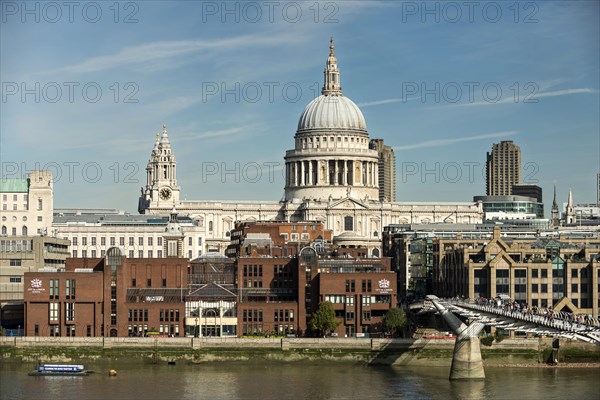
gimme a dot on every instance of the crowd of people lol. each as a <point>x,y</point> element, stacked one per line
<point>545,314</point>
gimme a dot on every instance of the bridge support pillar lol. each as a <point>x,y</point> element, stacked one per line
<point>466,360</point>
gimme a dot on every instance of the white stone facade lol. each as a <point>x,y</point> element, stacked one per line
<point>93,232</point>
<point>27,205</point>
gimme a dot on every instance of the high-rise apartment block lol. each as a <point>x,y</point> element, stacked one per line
<point>503,168</point>
<point>387,170</point>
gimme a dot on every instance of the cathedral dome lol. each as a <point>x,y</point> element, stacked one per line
<point>332,112</point>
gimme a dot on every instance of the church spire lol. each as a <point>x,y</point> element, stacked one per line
<point>331,84</point>
<point>570,201</point>
<point>554,205</point>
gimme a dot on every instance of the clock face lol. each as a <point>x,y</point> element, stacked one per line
<point>165,193</point>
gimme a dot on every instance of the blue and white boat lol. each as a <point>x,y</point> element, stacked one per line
<point>59,370</point>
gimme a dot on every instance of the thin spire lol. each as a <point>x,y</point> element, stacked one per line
<point>570,202</point>
<point>554,205</point>
<point>331,84</point>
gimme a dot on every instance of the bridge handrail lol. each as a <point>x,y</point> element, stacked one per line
<point>540,315</point>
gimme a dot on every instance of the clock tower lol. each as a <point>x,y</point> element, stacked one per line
<point>161,192</point>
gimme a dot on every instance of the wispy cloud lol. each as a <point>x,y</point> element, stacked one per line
<point>527,97</point>
<point>162,50</point>
<point>214,133</point>
<point>445,142</point>
<point>387,101</point>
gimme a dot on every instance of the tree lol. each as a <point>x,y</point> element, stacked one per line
<point>323,320</point>
<point>394,320</point>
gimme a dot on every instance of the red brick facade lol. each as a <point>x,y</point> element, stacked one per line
<point>112,296</point>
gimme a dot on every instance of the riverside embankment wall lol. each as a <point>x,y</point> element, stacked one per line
<point>371,351</point>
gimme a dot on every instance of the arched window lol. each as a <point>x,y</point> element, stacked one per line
<point>4,230</point>
<point>210,226</point>
<point>375,253</point>
<point>24,230</point>
<point>348,223</point>
<point>40,204</point>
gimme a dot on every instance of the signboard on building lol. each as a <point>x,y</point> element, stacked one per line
<point>384,286</point>
<point>36,286</point>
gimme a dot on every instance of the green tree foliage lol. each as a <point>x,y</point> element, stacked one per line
<point>323,320</point>
<point>394,321</point>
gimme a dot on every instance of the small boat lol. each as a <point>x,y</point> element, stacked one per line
<point>59,370</point>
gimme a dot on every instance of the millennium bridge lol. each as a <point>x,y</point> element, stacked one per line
<point>466,360</point>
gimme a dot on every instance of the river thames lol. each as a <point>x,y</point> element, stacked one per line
<point>274,380</point>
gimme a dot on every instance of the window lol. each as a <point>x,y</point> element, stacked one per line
<point>149,253</point>
<point>53,311</point>
<point>172,248</point>
<point>141,241</point>
<point>36,330</point>
<point>534,273</point>
<point>149,241</point>
<point>121,241</point>
<point>112,241</point>
<point>40,204</point>
<point>190,241</point>
<point>93,241</point>
<point>15,279</point>
<point>574,273</point>
<point>149,282</point>
<point>84,241</point>
<point>133,282</point>
<point>544,273</point>
<point>159,253</point>
<point>574,288</point>
<point>348,223</point>
<point>544,287</point>
<point>84,253</point>
<point>15,263</point>
<point>159,241</point>
<point>39,218</point>
<point>70,311</point>
<point>131,241</point>
<point>130,253</point>
<point>93,253</point>
<point>140,253</point>
<point>102,241</point>
<point>350,285</point>
<point>74,241</point>
<point>164,282</point>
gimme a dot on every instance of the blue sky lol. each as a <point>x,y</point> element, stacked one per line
<point>438,81</point>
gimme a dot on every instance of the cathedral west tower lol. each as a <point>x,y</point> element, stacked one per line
<point>162,190</point>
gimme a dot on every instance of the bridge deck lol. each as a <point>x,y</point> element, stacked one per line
<point>522,319</point>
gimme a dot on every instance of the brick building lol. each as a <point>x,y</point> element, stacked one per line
<point>289,237</point>
<point>280,285</point>
<point>111,296</point>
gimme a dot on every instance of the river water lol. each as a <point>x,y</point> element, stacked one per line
<point>137,380</point>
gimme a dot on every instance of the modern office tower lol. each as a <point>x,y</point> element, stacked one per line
<point>387,170</point>
<point>528,190</point>
<point>503,168</point>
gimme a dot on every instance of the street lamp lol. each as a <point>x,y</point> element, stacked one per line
<point>196,330</point>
